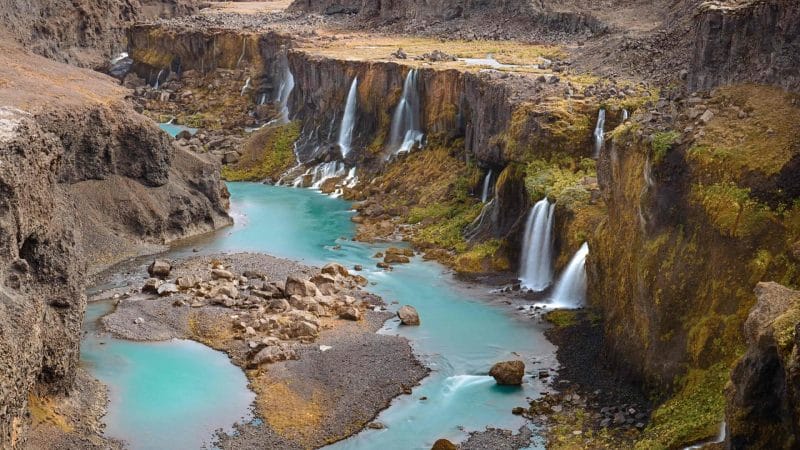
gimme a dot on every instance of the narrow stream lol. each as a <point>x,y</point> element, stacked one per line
<point>463,332</point>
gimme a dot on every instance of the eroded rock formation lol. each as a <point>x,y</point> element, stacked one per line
<point>85,182</point>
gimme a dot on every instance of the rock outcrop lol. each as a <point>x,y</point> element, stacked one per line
<point>747,42</point>
<point>764,394</point>
<point>84,182</point>
<point>82,32</point>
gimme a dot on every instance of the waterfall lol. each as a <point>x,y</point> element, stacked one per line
<point>285,88</point>
<point>245,87</point>
<point>487,186</point>
<point>352,179</point>
<point>599,132</point>
<point>625,115</point>
<point>158,77</point>
<point>348,119</point>
<point>119,58</point>
<point>570,290</point>
<point>263,99</point>
<point>244,48</point>
<point>405,131</point>
<point>536,267</point>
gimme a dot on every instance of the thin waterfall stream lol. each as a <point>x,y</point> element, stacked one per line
<point>348,119</point>
<point>536,266</point>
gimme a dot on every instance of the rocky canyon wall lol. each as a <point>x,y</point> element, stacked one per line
<point>85,182</point>
<point>83,33</point>
<point>749,42</point>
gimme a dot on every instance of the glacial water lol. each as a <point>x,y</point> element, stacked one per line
<point>464,330</point>
<point>173,129</point>
<point>171,394</point>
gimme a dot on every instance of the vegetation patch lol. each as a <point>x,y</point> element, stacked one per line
<point>483,257</point>
<point>268,154</point>
<point>693,414</point>
<point>562,317</point>
<point>662,142</point>
<point>731,210</point>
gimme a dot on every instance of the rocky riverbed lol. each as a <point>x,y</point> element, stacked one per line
<point>305,337</point>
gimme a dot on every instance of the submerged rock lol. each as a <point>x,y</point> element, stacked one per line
<point>408,315</point>
<point>508,372</point>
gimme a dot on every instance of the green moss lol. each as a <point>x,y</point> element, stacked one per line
<point>692,414</point>
<point>662,142</point>
<point>561,181</point>
<point>269,154</point>
<point>562,317</point>
<point>483,257</point>
<point>442,225</point>
<point>731,210</point>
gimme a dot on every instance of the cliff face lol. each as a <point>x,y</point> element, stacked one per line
<point>689,233</point>
<point>755,41</point>
<point>85,182</point>
<point>83,33</point>
<point>763,399</point>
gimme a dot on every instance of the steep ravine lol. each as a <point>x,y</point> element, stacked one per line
<point>687,219</point>
<point>85,182</point>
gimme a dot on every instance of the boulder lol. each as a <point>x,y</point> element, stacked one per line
<point>350,313</point>
<point>408,315</point>
<point>396,259</point>
<point>443,444</point>
<point>223,274</point>
<point>151,285</point>
<point>298,286</point>
<point>279,305</point>
<point>159,268</point>
<point>188,282</point>
<point>229,290</point>
<point>325,283</point>
<point>223,300</point>
<point>167,289</point>
<point>508,372</point>
<point>335,269</point>
<point>304,329</point>
<point>400,251</point>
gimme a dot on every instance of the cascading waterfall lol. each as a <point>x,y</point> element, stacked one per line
<point>263,99</point>
<point>405,131</point>
<point>348,119</point>
<point>599,132</point>
<point>158,78</point>
<point>537,252</point>
<point>245,87</point>
<point>285,88</point>
<point>570,291</point>
<point>487,187</point>
<point>625,115</point>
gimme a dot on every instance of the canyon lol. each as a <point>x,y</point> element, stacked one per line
<point>625,171</point>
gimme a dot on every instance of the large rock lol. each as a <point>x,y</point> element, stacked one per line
<point>443,444</point>
<point>335,269</point>
<point>159,268</point>
<point>763,405</point>
<point>508,372</point>
<point>300,287</point>
<point>408,315</point>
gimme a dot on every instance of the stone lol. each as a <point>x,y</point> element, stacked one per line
<point>138,321</point>
<point>188,282</point>
<point>358,267</point>
<point>400,251</point>
<point>408,315</point>
<point>279,305</point>
<point>231,157</point>
<point>619,418</point>
<point>298,286</point>
<point>396,259</point>
<point>167,289</point>
<point>151,285</point>
<point>376,426</point>
<point>304,329</point>
<point>335,269</point>
<point>443,444</point>
<point>517,411</point>
<point>272,353</point>
<point>159,268</point>
<point>325,283</point>
<point>508,372</point>
<point>706,116</point>
<point>223,274</point>
<point>228,290</point>
<point>350,313</point>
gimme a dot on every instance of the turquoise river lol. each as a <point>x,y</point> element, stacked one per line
<point>175,394</point>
